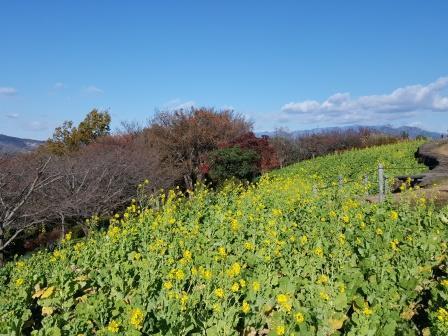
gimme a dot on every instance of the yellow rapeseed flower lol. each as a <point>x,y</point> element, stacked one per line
<point>245,307</point>
<point>183,300</point>
<point>179,274</point>
<point>393,215</point>
<point>303,240</point>
<point>324,296</point>
<point>234,270</point>
<point>113,326</point>
<point>277,212</point>
<point>323,279</point>
<point>299,318</point>
<point>136,319</point>
<point>187,255</point>
<point>249,246</point>
<point>256,286</point>
<point>219,292</point>
<point>20,264</point>
<point>442,314</point>
<point>68,237</point>
<point>393,245</point>
<point>222,251</point>
<point>168,285</point>
<point>205,273</point>
<point>235,287</point>
<point>20,282</point>
<point>283,301</point>
<point>234,225</point>
<point>367,311</point>
<point>280,330</point>
<point>319,251</point>
<point>113,232</point>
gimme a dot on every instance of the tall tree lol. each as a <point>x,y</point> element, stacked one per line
<point>68,138</point>
<point>18,190</point>
<point>183,137</point>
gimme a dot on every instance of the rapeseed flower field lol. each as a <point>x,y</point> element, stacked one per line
<point>274,257</point>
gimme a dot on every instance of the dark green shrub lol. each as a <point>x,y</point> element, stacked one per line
<point>233,162</point>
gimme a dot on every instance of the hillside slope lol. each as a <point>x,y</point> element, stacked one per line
<point>273,258</point>
<point>9,144</point>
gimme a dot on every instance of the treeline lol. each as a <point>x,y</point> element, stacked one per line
<point>85,172</point>
<point>291,148</point>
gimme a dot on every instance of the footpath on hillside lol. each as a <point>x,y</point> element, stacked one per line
<point>434,184</point>
<point>434,155</point>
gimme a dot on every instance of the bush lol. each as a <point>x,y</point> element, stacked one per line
<point>233,162</point>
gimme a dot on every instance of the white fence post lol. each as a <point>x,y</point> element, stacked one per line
<point>380,182</point>
<point>366,184</point>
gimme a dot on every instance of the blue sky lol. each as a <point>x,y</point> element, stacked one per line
<point>292,64</point>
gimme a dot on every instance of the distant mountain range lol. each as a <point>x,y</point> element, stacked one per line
<point>386,129</point>
<point>9,144</point>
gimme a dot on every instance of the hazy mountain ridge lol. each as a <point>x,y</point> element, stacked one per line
<point>9,144</point>
<point>387,129</point>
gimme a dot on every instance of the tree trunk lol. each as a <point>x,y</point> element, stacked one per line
<point>188,182</point>
<point>63,225</point>
<point>2,238</point>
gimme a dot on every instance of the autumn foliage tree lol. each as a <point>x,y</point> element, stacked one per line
<point>267,155</point>
<point>184,137</point>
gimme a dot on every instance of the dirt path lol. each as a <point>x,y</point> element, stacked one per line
<point>442,150</point>
<point>434,154</point>
<point>434,185</point>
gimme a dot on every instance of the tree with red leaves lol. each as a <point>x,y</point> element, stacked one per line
<point>268,159</point>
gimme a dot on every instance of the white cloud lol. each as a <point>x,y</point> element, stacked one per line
<point>177,104</point>
<point>12,115</point>
<point>59,86</point>
<point>92,89</point>
<point>401,103</point>
<point>7,91</point>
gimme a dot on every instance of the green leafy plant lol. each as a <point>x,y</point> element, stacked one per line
<point>233,162</point>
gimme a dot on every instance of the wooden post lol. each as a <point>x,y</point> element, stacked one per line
<point>340,181</point>
<point>314,190</point>
<point>380,183</point>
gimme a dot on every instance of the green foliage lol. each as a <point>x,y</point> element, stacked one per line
<point>68,138</point>
<point>233,162</point>
<point>270,257</point>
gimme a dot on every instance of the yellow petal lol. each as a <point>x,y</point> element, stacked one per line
<point>38,293</point>
<point>47,311</point>
<point>47,292</point>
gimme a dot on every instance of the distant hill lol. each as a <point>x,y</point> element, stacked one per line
<point>10,145</point>
<point>387,129</point>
